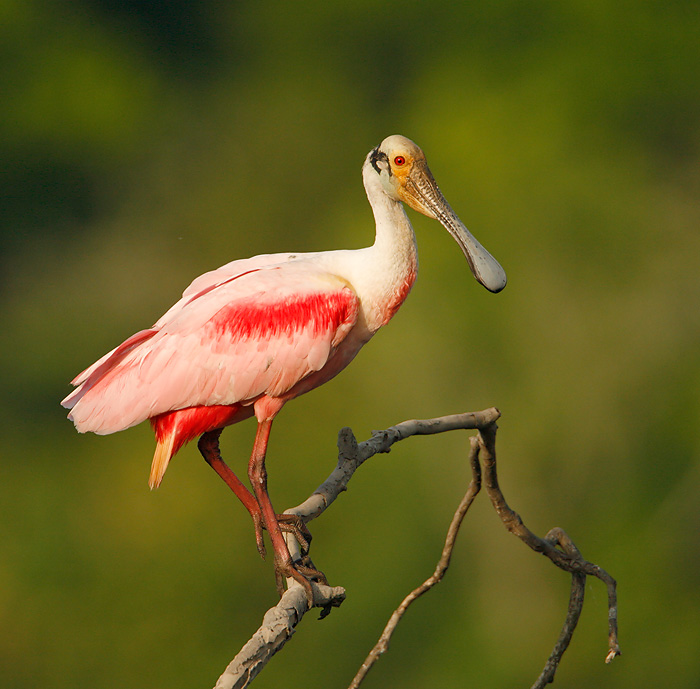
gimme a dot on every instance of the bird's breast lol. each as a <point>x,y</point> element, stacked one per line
<point>397,296</point>
<point>382,294</point>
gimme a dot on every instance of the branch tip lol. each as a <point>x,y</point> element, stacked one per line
<point>612,654</point>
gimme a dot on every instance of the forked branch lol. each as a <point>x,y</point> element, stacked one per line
<point>280,621</point>
<point>560,549</point>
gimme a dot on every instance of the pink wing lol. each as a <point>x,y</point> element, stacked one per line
<point>206,281</point>
<point>247,332</point>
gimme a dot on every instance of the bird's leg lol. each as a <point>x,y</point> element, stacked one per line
<point>209,447</point>
<point>284,567</point>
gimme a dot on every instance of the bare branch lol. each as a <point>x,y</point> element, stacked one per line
<point>566,555</point>
<point>277,627</point>
<point>280,621</point>
<point>351,455</point>
<point>383,644</point>
<point>567,558</point>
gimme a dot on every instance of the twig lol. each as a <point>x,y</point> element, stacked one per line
<point>383,644</point>
<point>578,588</point>
<point>567,557</point>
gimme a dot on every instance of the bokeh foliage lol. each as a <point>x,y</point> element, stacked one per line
<point>144,143</point>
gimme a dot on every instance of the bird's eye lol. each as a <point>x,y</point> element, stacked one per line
<point>399,161</point>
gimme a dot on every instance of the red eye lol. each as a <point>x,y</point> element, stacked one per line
<point>399,161</point>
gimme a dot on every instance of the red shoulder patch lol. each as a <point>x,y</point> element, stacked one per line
<point>317,312</point>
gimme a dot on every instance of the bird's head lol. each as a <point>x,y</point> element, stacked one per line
<point>405,176</point>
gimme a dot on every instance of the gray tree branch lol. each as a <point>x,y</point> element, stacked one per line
<point>280,621</point>
<point>277,627</point>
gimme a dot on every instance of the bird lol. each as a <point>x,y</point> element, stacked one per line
<point>252,335</point>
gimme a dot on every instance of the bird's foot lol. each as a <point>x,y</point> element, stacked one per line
<point>288,523</point>
<point>295,525</point>
<point>308,570</point>
<point>304,573</point>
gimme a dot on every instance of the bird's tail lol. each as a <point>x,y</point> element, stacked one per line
<point>175,428</point>
<point>165,449</point>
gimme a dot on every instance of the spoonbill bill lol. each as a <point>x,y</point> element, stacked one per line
<point>246,338</point>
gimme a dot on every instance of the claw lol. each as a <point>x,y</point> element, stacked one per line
<point>288,523</point>
<point>291,523</point>
<point>304,573</point>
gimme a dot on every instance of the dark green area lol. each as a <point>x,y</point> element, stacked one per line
<point>143,143</point>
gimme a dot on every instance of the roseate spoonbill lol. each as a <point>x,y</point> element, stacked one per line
<point>252,335</point>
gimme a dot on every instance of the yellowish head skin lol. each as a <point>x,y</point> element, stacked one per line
<point>410,178</point>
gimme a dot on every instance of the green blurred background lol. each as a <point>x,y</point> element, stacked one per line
<point>144,143</point>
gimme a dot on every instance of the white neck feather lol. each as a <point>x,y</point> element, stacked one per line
<point>391,263</point>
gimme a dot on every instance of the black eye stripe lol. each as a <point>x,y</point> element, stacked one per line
<point>376,156</point>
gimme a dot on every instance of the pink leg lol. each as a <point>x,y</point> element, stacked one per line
<point>209,447</point>
<point>284,567</point>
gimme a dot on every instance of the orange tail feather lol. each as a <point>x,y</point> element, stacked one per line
<point>165,449</point>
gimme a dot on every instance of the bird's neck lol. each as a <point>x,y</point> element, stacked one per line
<point>394,231</point>
<point>392,259</point>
